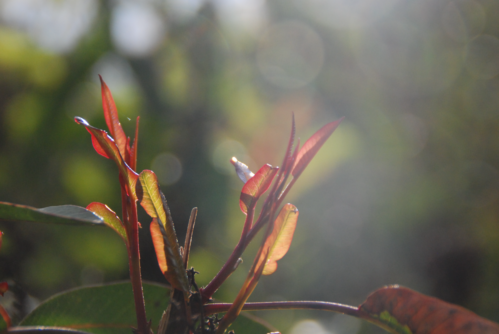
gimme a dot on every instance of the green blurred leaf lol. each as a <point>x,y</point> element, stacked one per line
<point>107,309</point>
<point>62,214</point>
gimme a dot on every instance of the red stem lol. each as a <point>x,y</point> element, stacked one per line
<point>134,262</point>
<point>210,309</point>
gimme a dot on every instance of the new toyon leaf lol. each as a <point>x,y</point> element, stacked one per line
<point>312,146</point>
<point>281,237</point>
<point>256,186</point>
<point>110,218</point>
<point>152,200</point>
<point>112,120</point>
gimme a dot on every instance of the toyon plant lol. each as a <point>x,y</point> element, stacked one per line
<point>183,307</point>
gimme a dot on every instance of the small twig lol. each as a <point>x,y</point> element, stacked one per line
<point>188,236</point>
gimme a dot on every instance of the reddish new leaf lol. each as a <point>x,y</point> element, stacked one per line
<point>404,311</point>
<point>256,187</point>
<point>133,150</point>
<point>159,245</point>
<point>281,237</point>
<point>3,287</point>
<point>110,218</point>
<point>111,116</point>
<point>312,146</point>
<point>105,146</point>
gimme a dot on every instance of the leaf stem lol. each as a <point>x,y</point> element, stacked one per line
<point>135,274</point>
<point>210,309</point>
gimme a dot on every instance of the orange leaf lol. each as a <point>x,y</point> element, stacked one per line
<point>159,245</point>
<point>256,187</point>
<point>312,146</point>
<point>111,116</point>
<point>153,201</point>
<point>281,237</point>
<point>3,287</point>
<point>402,310</point>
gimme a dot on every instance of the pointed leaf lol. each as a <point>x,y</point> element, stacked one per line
<point>111,116</point>
<point>110,218</point>
<point>62,214</point>
<point>256,187</point>
<point>281,237</point>
<point>404,311</point>
<point>312,146</point>
<point>242,170</point>
<point>152,200</point>
<point>107,309</point>
<point>133,150</point>
<point>5,321</point>
<point>159,245</point>
<point>106,146</point>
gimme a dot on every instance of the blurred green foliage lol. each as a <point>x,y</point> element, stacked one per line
<point>406,191</point>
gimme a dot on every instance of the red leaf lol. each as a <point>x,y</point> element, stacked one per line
<point>112,120</point>
<point>3,287</point>
<point>133,150</point>
<point>401,310</point>
<point>312,146</point>
<point>256,187</point>
<point>5,317</point>
<point>105,146</point>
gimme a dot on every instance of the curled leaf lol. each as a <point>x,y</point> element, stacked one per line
<point>105,146</point>
<point>404,311</point>
<point>312,146</point>
<point>110,218</point>
<point>242,170</point>
<point>152,200</point>
<point>281,237</point>
<point>256,187</point>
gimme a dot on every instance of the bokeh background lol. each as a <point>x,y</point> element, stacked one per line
<point>406,191</point>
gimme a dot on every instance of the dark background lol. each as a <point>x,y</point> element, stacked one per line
<point>406,191</point>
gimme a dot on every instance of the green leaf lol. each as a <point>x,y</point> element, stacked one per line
<point>62,214</point>
<point>153,201</point>
<point>110,218</point>
<point>107,309</point>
